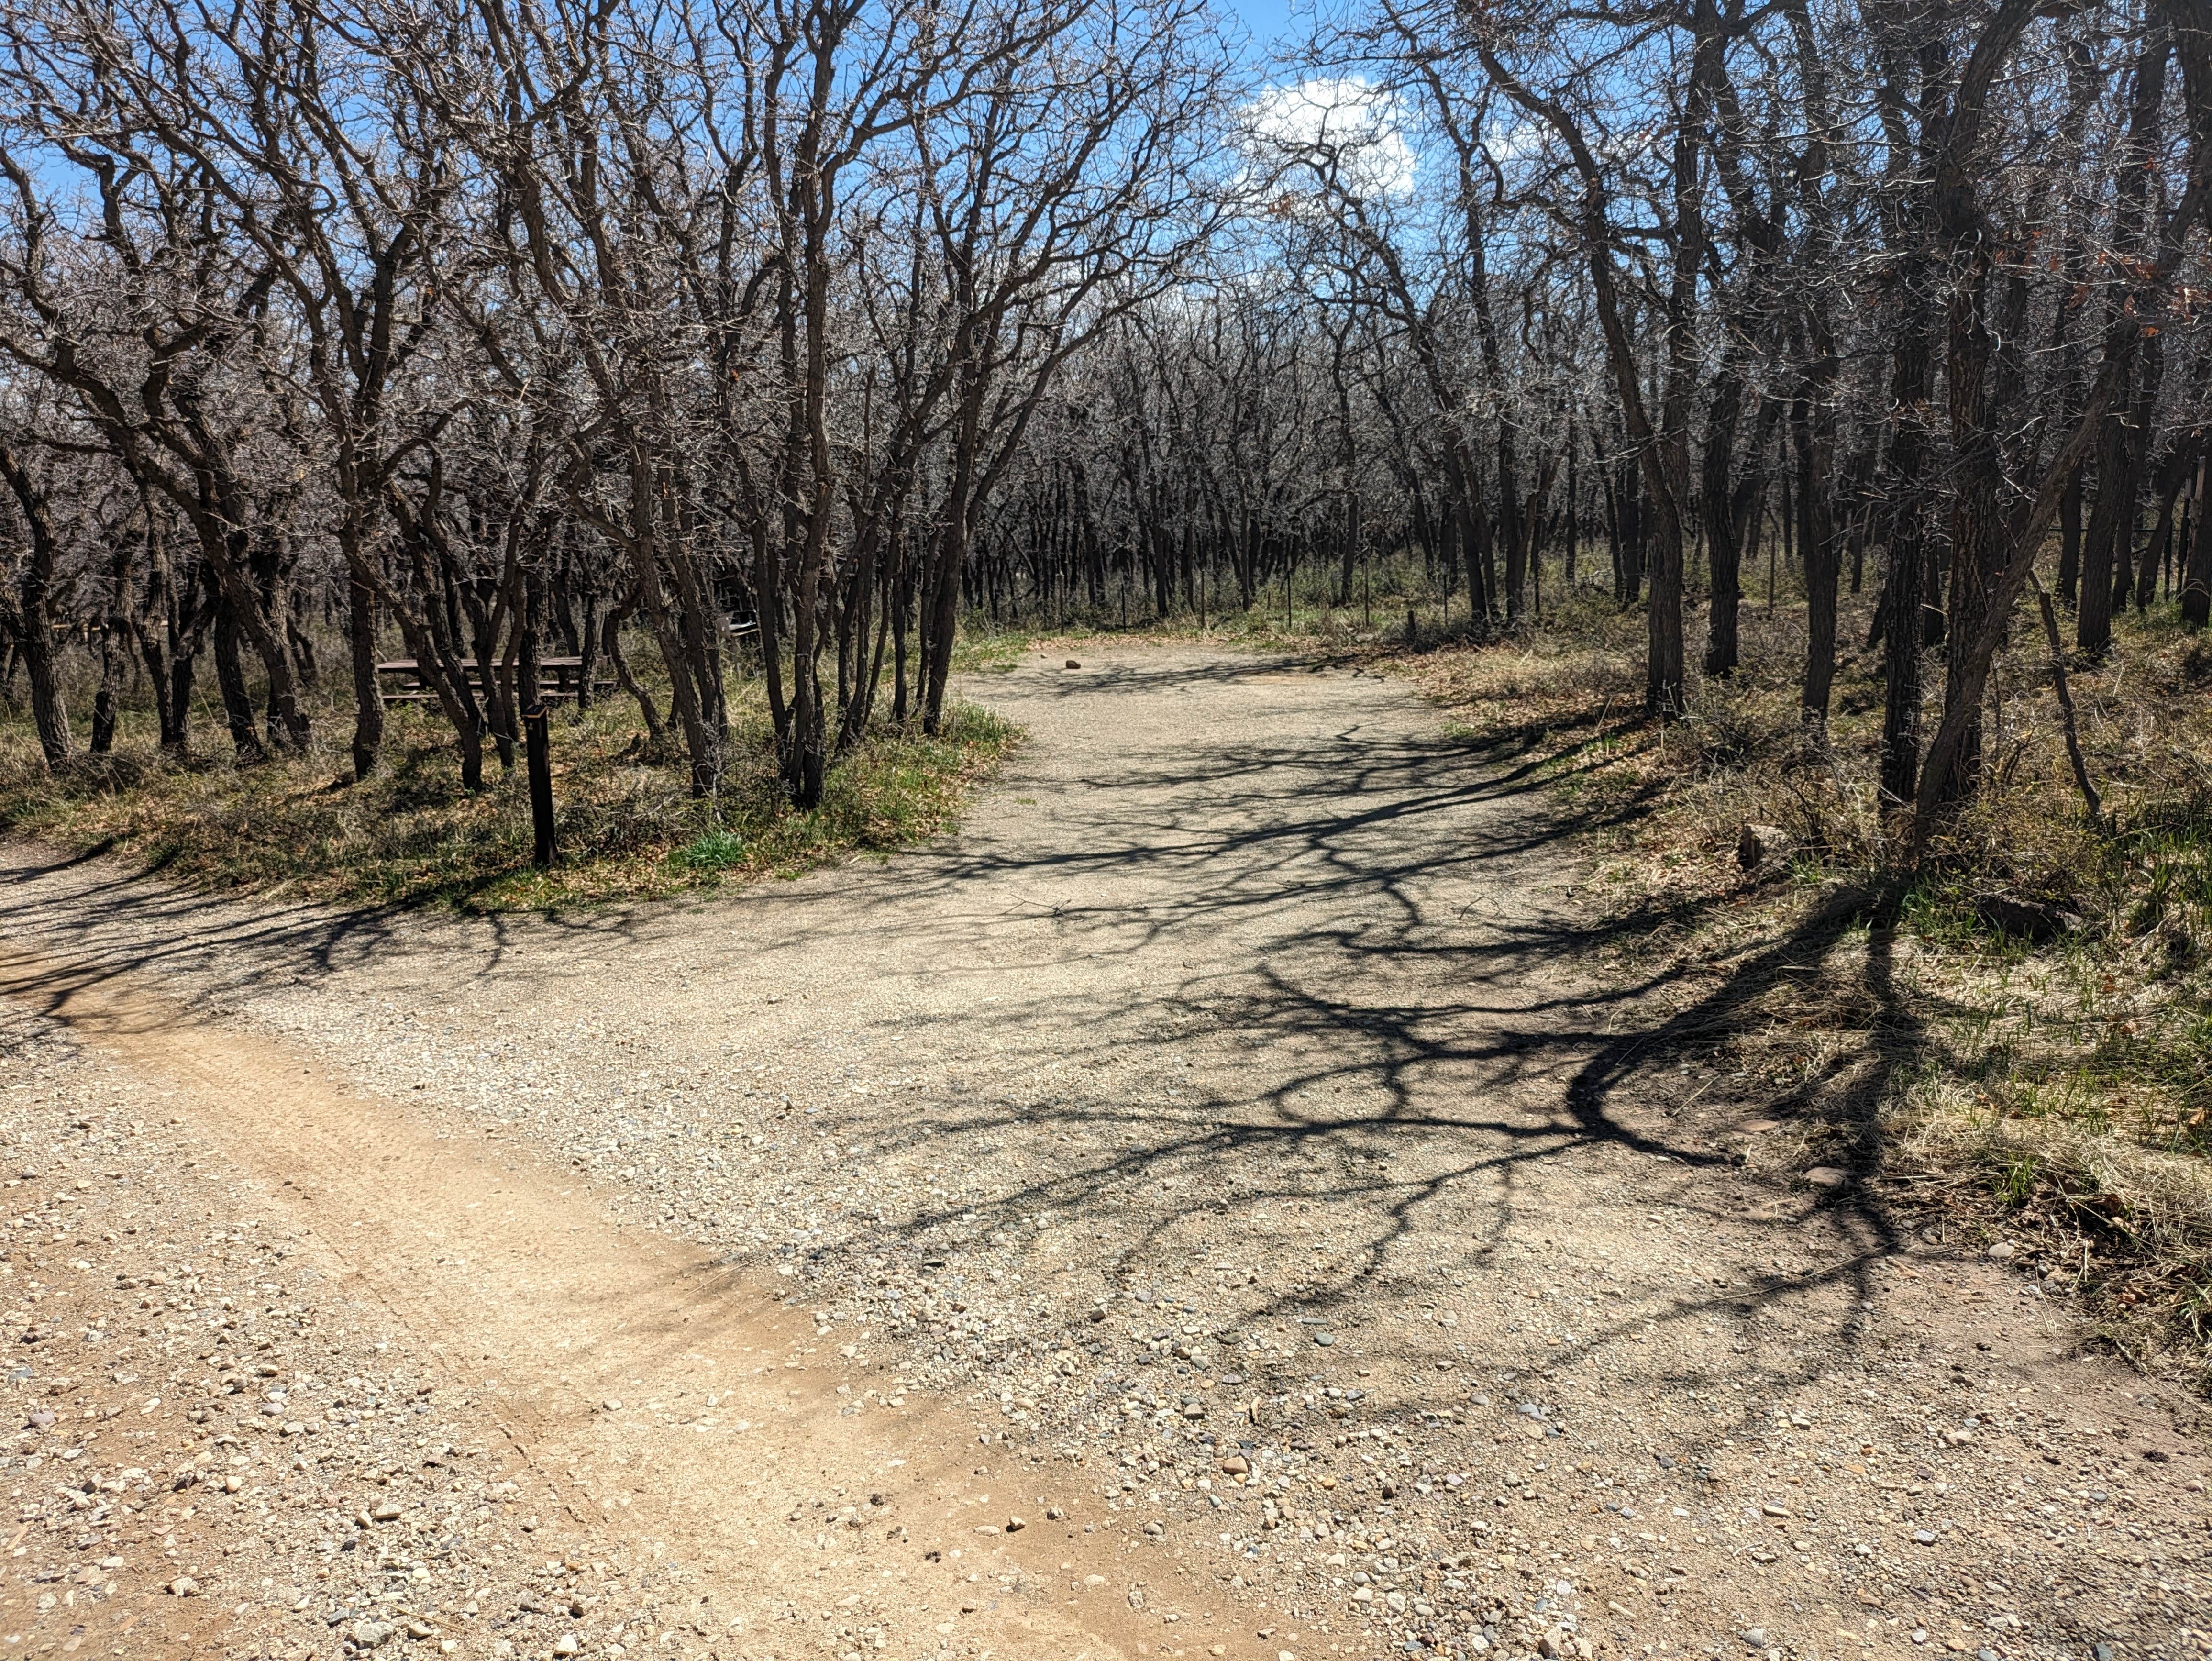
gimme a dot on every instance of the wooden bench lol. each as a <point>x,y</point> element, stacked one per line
<point>558,680</point>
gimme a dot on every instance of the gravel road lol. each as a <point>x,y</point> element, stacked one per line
<point>1226,1201</point>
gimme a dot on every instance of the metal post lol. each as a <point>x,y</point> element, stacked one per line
<point>536,744</point>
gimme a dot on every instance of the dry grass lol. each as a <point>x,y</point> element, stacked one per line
<point>2056,1092</point>
<point>628,827</point>
<point>1394,594</point>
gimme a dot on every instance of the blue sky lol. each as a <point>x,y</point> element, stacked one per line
<point>1267,19</point>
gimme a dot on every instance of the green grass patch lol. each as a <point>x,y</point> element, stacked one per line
<point>627,824</point>
<point>716,851</point>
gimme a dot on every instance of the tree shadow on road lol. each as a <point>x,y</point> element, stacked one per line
<point>1411,1028</point>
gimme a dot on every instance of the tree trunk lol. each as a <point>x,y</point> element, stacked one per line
<point>1812,430</point>
<point>49,713</point>
<point>367,695</point>
<point>2070,542</point>
<point>2109,540</point>
<point>587,648</point>
<point>106,703</point>
<point>2174,474</point>
<point>1724,553</point>
<point>656,733</point>
<point>1911,385</point>
<point>1977,534</point>
<point>2196,558</point>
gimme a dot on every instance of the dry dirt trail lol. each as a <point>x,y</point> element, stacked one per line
<point>1228,1155</point>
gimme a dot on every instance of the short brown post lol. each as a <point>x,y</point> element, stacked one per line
<point>537,744</point>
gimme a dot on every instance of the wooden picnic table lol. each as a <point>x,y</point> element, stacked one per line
<point>558,680</point>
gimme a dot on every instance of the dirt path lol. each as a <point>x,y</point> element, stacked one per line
<point>519,1290</point>
<point>1230,1141</point>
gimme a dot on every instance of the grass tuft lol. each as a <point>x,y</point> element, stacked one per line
<point>716,851</point>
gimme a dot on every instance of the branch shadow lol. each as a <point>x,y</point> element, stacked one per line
<point>1413,1034</point>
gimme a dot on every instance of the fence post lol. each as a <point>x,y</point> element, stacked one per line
<point>536,744</point>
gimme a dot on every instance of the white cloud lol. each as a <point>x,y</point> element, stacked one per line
<point>1349,130</point>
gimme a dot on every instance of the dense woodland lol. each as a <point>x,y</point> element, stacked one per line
<point>490,333</point>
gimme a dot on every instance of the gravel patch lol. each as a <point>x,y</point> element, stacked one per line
<point>223,1449</point>
<point>1233,1124</point>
